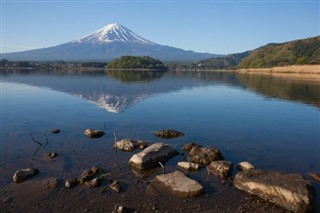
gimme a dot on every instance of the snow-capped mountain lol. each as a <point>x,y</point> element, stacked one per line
<point>105,44</point>
<point>113,33</point>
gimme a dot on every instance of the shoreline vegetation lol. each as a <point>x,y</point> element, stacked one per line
<point>295,72</point>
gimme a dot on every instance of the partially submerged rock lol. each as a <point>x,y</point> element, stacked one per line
<point>151,156</point>
<point>179,184</point>
<point>290,191</point>
<point>202,155</point>
<point>24,174</point>
<point>189,166</point>
<point>115,186</point>
<point>221,169</point>
<point>242,166</point>
<point>51,155</point>
<point>129,145</point>
<point>91,133</point>
<point>169,133</point>
<point>55,131</point>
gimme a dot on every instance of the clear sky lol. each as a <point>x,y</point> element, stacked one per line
<point>220,27</point>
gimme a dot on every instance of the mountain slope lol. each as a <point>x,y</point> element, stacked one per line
<point>304,51</point>
<point>105,44</point>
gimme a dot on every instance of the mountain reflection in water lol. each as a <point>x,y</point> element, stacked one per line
<point>118,90</point>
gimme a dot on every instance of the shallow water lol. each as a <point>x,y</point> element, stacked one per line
<point>272,122</point>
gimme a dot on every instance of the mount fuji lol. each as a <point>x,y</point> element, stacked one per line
<point>105,44</point>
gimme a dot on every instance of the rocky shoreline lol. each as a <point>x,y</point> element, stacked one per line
<point>291,192</point>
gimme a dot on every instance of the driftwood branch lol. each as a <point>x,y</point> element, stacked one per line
<point>37,142</point>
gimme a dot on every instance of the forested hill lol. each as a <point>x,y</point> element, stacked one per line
<point>136,62</point>
<point>305,51</point>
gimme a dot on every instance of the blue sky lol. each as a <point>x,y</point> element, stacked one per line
<point>204,26</point>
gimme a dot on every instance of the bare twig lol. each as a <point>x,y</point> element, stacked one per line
<point>37,142</point>
<point>134,129</point>
<point>163,168</point>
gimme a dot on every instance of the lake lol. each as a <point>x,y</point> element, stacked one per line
<point>272,122</point>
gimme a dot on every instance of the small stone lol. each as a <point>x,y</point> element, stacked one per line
<point>24,174</point>
<point>55,131</point>
<point>168,133</point>
<point>221,169</point>
<point>91,133</point>
<point>96,182</point>
<point>89,174</point>
<point>242,166</point>
<point>122,209</point>
<point>71,183</point>
<point>115,186</point>
<point>189,166</point>
<point>51,155</point>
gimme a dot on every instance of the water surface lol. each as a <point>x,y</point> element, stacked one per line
<point>271,122</point>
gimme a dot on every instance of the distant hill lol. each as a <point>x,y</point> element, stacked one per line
<point>227,61</point>
<point>136,62</point>
<point>304,51</point>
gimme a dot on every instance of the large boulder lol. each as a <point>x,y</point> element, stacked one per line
<point>24,174</point>
<point>179,184</point>
<point>130,145</point>
<point>221,169</point>
<point>151,156</point>
<point>202,155</point>
<point>168,133</point>
<point>290,191</point>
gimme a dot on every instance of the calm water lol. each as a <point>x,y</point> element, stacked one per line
<point>273,123</point>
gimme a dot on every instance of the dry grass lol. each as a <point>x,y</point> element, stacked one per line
<point>297,72</point>
<point>299,69</point>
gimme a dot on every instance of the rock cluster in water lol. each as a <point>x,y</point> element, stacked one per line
<point>291,191</point>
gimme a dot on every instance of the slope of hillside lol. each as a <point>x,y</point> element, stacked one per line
<point>299,52</point>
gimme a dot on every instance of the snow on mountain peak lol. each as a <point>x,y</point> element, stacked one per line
<point>113,33</point>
